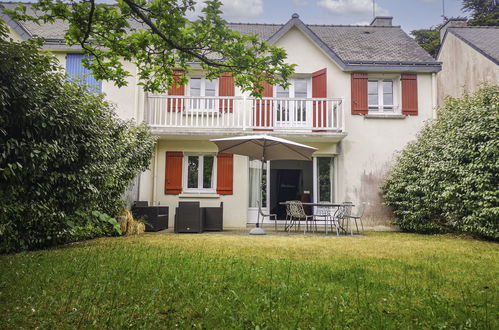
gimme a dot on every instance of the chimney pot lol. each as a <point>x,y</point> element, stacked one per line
<point>382,21</point>
<point>452,22</point>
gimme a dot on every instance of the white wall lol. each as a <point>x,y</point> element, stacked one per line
<point>463,69</point>
<point>367,152</point>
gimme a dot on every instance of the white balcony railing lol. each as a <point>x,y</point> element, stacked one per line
<point>244,113</point>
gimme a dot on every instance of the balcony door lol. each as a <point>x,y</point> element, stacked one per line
<point>291,104</point>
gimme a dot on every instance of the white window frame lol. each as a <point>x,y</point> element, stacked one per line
<point>200,188</point>
<point>381,107</point>
<point>200,104</point>
<point>291,94</point>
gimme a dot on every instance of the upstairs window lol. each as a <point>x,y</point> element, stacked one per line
<point>202,90</point>
<point>380,95</point>
<point>75,69</point>
<point>293,110</point>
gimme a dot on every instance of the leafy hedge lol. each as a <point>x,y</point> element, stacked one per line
<point>64,154</point>
<point>448,179</point>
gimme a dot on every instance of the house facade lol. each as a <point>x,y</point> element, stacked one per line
<point>469,56</point>
<point>359,95</point>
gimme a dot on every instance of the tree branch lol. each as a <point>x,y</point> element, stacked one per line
<point>170,42</point>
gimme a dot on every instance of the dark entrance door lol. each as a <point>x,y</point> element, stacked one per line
<point>287,189</point>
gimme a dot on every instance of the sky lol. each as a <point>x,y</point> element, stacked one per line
<point>409,14</point>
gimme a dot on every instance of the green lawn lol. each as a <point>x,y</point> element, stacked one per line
<point>384,280</point>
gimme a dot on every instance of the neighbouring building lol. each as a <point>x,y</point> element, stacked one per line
<point>469,56</point>
<point>359,95</point>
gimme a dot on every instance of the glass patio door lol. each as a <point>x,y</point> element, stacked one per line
<point>255,175</point>
<point>324,182</point>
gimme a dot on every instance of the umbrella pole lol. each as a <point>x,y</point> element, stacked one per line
<point>260,194</point>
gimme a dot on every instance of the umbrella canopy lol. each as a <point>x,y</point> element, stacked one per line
<point>265,147</point>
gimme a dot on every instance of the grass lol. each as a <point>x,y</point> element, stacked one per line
<point>384,280</point>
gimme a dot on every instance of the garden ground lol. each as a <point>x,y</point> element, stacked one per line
<point>382,280</point>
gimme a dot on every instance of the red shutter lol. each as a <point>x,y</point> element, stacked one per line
<point>226,88</point>
<point>263,109</point>
<point>409,94</point>
<point>175,104</point>
<point>173,173</point>
<point>225,164</point>
<point>359,94</point>
<point>319,90</point>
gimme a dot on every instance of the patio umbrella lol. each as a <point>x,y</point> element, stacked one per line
<point>264,147</point>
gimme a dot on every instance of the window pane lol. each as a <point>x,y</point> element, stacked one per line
<point>324,165</point>
<point>195,86</point>
<point>387,93</point>
<point>387,99</point>
<point>208,171</point>
<point>372,87</point>
<point>373,99</point>
<point>388,87</point>
<point>210,86</point>
<point>281,92</point>
<point>300,88</point>
<point>192,171</point>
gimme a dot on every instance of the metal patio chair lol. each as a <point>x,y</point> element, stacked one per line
<point>357,216</point>
<point>344,217</point>
<point>298,214</point>
<point>264,215</point>
<point>327,213</point>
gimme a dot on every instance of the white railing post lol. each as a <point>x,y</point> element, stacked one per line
<point>342,101</point>
<point>243,109</point>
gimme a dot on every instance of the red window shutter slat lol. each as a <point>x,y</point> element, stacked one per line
<point>359,94</point>
<point>176,105</point>
<point>226,88</point>
<point>264,109</point>
<point>319,90</point>
<point>173,172</point>
<point>409,94</point>
<point>225,165</point>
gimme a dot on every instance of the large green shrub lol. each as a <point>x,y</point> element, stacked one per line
<point>63,152</point>
<point>448,179</point>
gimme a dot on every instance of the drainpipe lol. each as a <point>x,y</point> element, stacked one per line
<point>434,95</point>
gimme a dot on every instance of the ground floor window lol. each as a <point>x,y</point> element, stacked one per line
<point>200,172</point>
<point>325,179</point>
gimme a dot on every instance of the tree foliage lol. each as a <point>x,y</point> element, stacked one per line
<point>159,39</point>
<point>448,180</point>
<point>428,39</point>
<point>63,153</point>
<point>483,12</point>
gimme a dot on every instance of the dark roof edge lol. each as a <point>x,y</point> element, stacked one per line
<point>295,21</point>
<point>472,45</point>
<point>15,25</point>
<point>393,68</point>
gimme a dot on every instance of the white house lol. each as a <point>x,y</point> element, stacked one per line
<point>469,56</point>
<point>359,94</point>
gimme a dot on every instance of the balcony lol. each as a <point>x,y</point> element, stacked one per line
<point>172,115</point>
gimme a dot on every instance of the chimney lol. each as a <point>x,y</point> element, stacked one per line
<point>452,22</point>
<point>382,21</point>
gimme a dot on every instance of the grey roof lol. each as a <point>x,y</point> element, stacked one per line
<point>371,43</point>
<point>484,39</point>
<point>352,47</point>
